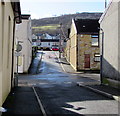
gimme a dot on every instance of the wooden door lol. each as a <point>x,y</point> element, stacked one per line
<point>87,60</point>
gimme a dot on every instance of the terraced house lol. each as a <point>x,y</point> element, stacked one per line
<point>110,44</point>
<point>24,38</point>
<point>10,14</point>
<point>83,50</point>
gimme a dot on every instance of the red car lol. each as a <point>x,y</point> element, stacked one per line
<point>55,48</point>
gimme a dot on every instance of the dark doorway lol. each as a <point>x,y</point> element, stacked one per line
<point>87,60</point>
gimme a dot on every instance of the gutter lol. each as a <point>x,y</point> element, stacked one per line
<point>13,54</point>
<point>16,10</point>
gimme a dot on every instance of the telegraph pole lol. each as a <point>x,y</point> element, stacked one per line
<point>60,41</point>
<point>60,47</point>
<point>105,4</point>
<point>101,57</point>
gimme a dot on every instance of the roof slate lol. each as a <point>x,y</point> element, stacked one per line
<point>87,25</point>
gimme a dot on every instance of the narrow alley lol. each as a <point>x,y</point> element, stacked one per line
<point>58,92</point>
<point>59,58</point>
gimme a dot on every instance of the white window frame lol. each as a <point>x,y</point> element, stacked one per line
<point>95,37</point>
<point>97,57</point>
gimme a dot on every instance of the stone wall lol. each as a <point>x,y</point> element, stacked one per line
<point>85,47</point>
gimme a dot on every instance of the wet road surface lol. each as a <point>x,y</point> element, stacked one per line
<point>59,93</point>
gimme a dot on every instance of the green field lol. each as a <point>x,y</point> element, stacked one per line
<point>47,27</point>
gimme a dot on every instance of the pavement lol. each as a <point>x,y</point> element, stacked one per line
<point>104,90</point>
<point>25,95</point>
<point>22,101</point>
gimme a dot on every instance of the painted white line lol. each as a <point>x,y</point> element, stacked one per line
<point>60,63</point>
<point>39,102</point>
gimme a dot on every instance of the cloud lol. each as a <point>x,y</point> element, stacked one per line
<point>35,16</point>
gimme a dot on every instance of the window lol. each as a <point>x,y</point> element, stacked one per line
<point>95,41</point>
<point>94,36</point>
<point>81,36</point>
<point>97,58</point>
<point>34,40</point>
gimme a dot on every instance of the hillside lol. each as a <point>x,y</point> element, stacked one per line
<point>52,25</point>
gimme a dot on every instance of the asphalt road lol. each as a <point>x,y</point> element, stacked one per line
<point>59,93</point>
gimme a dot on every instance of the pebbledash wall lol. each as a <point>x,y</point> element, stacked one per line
<point>110,25</point>
<point>7,24</point>
<point>24,37</point>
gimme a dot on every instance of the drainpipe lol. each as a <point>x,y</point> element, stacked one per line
<point>69,48</point>
<point>101,58</point>
<point>13,54</point>
<point>77,55</point>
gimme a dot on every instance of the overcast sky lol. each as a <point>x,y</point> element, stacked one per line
<point>49,8</point>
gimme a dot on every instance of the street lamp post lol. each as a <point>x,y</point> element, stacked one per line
<point>105,3</point>
<point>61,39</point>
<point>60,47</point>
<point>60,42</point>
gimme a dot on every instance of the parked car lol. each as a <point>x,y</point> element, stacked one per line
<point>55,47</point>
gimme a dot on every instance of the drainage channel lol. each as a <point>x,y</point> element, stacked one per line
<point>39,102</point>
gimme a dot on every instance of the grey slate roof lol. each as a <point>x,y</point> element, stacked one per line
<point>87,25</point>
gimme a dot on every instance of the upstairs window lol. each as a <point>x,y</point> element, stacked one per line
<point>95,40</point>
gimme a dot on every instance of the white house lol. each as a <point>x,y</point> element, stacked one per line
<point>24,38</point>
<point>34,41</point>
<point>45,41</point>
<point>110,44</point>
<point>10,14</point>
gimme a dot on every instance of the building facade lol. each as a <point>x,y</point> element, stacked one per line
<point>110,44</point>
<point>48,43</point>
<point>83,50</point>
<point>8,12</point>
<point>24,38</point>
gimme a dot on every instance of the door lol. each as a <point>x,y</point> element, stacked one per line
<point>87,60</point>
<point>20,64</point>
